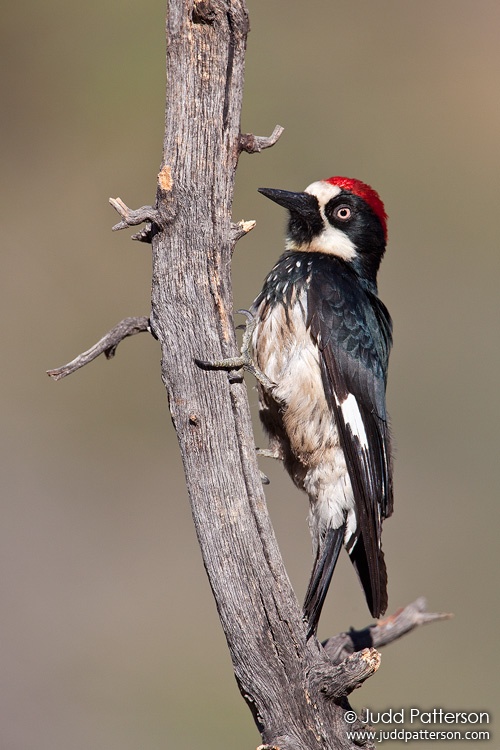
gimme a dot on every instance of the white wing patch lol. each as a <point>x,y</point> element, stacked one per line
<point>352,417</point>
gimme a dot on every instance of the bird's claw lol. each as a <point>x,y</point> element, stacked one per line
<point>263,478</point>
<point>244,361</point>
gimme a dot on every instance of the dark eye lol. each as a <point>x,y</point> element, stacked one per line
<point>343,213</point>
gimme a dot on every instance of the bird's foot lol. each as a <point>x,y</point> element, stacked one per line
<point>245,360</point>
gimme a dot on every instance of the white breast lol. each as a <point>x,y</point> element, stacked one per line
<point>285,352</point>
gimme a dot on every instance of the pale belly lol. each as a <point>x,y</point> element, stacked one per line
<point>300,423</point>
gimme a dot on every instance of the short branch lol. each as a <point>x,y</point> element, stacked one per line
<point>242,228</point>
<point>384,632</point>
<point>339,680</point>
<point>253,144</point>
<point>107,346</point>
<point>131,217</point>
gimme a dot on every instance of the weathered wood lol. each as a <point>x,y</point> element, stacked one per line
<point>192,311</point>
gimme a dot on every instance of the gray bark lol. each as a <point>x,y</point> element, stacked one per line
<point>192,311</point>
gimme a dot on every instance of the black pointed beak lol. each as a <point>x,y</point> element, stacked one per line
<point>303,204</point>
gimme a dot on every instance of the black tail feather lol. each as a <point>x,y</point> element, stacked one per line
<point>373,577</point>
<point>326,559</point>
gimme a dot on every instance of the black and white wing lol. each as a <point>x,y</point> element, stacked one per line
<point>354,335</point>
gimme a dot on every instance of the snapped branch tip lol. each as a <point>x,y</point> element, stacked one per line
<point>242,228</point>
<point>335,681</point>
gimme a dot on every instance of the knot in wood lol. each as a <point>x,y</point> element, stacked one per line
<point>203,12</point>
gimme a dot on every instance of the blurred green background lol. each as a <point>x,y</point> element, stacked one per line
<point>109,634</point>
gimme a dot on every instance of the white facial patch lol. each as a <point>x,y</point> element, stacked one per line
<point>331,241</point>
<point>352,417</point>
<point>323,191</point>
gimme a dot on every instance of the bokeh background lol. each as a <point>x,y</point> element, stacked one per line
<point>109,635</point>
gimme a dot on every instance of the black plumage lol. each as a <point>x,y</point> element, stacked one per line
<point>353,331</point>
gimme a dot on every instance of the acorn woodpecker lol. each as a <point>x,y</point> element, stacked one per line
<point>321,338</point>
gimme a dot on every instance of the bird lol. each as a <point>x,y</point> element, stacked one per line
<point>319,338</point>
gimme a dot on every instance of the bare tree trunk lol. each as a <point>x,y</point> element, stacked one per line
<point>295,688</point>
<point>192,310</point>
